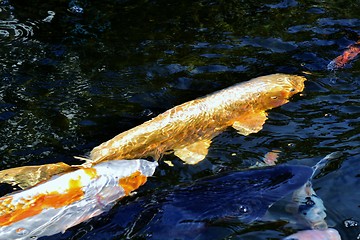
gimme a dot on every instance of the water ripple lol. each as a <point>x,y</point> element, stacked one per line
<point>15,30</point>
<point>12,28</point>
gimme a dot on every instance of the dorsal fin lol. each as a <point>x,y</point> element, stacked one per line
<point>193,153</point>
<point>250,123</point>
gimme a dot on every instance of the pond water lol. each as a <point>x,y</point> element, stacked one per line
<point>76,73</point>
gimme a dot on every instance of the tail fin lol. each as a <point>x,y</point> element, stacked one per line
<point>323,162</point>
<point>28,176</point>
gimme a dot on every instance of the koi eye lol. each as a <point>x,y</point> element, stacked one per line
<point>274,97</point>
<point>243,209</point>
<point>22,231</point>
<point>309,201</point>
<point>292,90</point>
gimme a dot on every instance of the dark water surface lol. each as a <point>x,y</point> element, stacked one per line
<point>76,73</point>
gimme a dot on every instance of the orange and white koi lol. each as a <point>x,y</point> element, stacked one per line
<point>348,55</point>
<point>187,129</point>
<point>69,199</point>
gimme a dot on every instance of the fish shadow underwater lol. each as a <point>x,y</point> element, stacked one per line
<point>199,210</point>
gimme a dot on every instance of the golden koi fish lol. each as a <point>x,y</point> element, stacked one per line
<point>69,199</point>
<point>187,129</point>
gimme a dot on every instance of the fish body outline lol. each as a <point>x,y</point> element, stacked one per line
<point>187,129</point>
<point>193,211</point>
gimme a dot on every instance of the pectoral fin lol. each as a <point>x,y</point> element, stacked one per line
<point>29,176</point>
<point>194,153</point>
<point>250,123</point>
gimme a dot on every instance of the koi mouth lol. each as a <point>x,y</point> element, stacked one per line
<point>297,84</point>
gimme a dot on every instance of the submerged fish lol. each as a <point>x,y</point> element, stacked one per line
<point>311,210</point>
<point>69,199</point>
<point>309,207</point>
<point>327,234</point>
<point>348,55</point>
<point>187,129</point>
<point>197,210</point>
<point>306,204</point>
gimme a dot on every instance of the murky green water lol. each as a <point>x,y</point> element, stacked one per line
<point>76,73</point>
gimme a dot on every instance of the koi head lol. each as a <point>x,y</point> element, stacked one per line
<point>127,174</point>
<point>309,207</point>
<point>279,88</point>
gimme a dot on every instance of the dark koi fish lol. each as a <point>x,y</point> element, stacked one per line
<point>197,210</point>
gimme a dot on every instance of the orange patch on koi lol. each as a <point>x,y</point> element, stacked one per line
<point>348,55</point>
<point>91,172</point>
<point>132,182</point>
<point>31,207</point>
